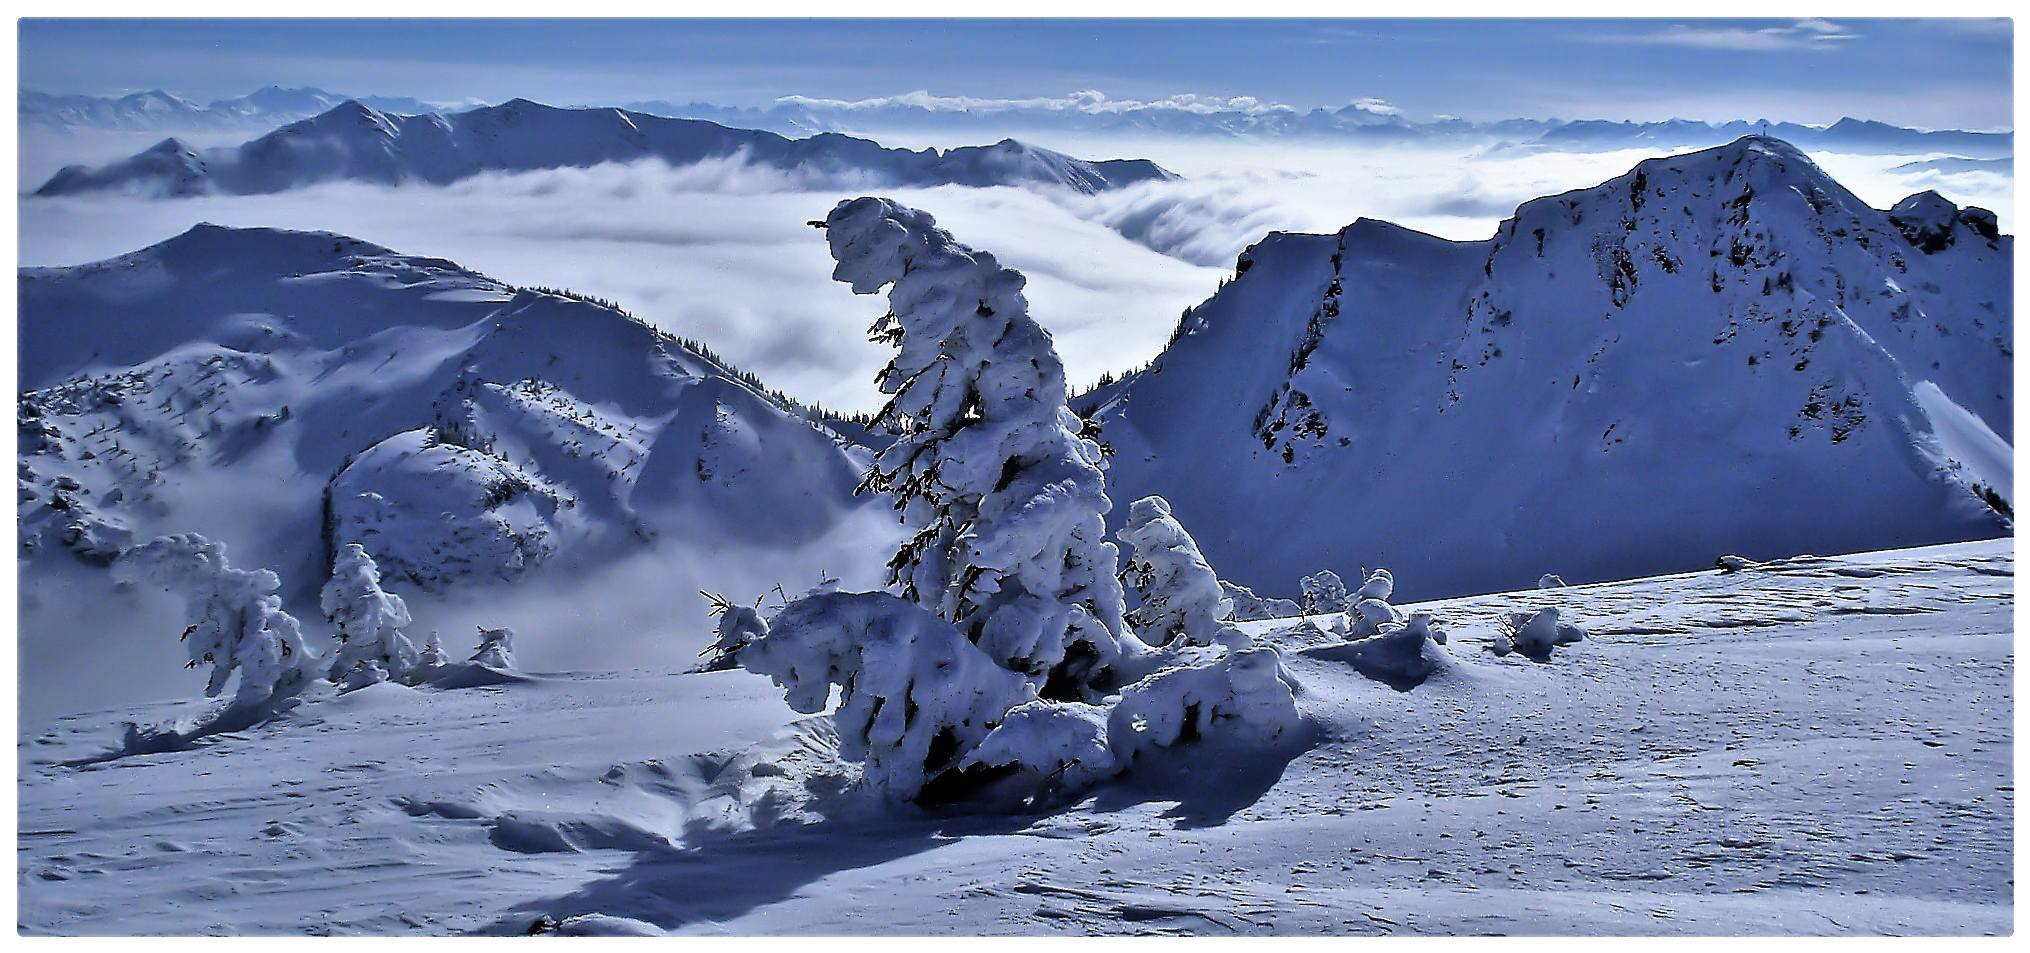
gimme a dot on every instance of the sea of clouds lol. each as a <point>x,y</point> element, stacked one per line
<point>720,251</point>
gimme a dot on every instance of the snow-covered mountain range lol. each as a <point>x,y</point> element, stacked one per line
<point>1084,112</point>
<point>1366,122</point>
<point>289,392</point>
<point>157,111</point>
<point>354,141</point>
<point>1724,351</point>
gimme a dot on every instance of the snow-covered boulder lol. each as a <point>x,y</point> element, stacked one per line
<point>1249,606</point>
<point>988,460</point>
<point>1324,592</point>
<point>1550,581</point>
<point>367,620</point>
<point>915,695</point>
<point>237,626</point>
<point>1180,595</point>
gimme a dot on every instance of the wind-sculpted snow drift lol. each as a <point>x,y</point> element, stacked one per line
<point>1718,352</point>
<point>354,141</point>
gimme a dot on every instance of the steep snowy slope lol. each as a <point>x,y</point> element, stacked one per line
<point>1718,352</point>
<point>287,392</point>
<point>1819,748</point>
<point>357,142</point>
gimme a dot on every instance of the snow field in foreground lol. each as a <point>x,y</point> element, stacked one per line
<point>1807,747</point>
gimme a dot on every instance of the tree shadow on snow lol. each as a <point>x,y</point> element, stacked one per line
<point>1210,782</point>
<point>718,877</point>
<point>185,734</point>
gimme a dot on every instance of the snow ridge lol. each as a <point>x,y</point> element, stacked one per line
<point>356,142</point>
<point>1479,411</point>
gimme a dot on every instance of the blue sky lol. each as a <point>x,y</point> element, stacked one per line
<point>1934,73</point>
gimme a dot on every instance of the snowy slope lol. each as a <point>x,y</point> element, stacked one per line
<point>1718,352</point>
<point>1815,747</point>
<point>354,141</point>
<point>288,392</point>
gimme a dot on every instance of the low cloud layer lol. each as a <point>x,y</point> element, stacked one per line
<point>720,252</point>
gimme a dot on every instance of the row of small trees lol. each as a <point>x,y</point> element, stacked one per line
<point>239,626</point>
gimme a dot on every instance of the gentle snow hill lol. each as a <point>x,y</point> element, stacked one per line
<point>356,142</point>
<point>1817,747</point>
<point>288,392</point>
<point>1718,352</point>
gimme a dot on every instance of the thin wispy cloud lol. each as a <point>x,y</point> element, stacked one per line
<point>1082,101</point>
<point>1809,35</point>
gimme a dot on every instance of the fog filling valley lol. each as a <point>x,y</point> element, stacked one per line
<point>719,252</point>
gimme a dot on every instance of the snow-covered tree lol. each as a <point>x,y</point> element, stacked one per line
<point>496,648</point>
<point>1241,696</point>
<point>237,620</point>
<point>1324,592</point>
<point>433,656</point>
<point>1536,632</point>
<point>1180,594</point>
<point>368,619</point>
<point>915,696</point>
<point>737,626</point>
<point>1008,500</point>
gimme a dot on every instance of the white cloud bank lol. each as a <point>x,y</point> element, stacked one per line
<point>720,252</point>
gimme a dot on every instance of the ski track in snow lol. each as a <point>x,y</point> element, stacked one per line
<point>1815,746</point>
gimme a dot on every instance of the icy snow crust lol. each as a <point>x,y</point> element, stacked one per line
<point>1717,352</point>
<point>354,141</point>
<point>1814,746</point>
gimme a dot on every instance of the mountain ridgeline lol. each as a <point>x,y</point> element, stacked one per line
<point>356,142</point>
<point>288,392</point>
<point>1718,352</point>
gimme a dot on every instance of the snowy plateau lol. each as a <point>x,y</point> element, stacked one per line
<point>1005,659</point>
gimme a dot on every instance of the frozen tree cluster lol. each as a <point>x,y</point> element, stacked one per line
<point>239,627</point>
<point>1250,606</point>
<point>1004,655</point>
<point>237,622</point>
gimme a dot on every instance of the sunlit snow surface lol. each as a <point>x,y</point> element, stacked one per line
<point>1811,747</point>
